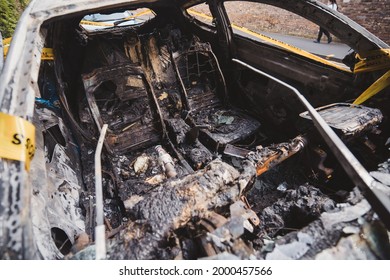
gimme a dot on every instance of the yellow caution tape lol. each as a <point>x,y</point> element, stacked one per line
<point>200,14</point>
<point>372,60</point>
<point>87,22</point>
<point>5,51</point>
<point>17,139</point>
<point>147,11</point>
<point>278,43</point>
<point>7,41</point>
<point>376,87</point>
<point>47,53</point>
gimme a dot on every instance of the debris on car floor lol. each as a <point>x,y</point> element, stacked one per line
<point>195,165</point>
<point>180,200</point>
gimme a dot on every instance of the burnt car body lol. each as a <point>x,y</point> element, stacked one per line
<point>169,138</point>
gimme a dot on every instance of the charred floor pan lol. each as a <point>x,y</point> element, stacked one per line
<point>186,175</point>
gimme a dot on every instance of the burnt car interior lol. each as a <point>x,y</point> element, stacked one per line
<point>203,157</point>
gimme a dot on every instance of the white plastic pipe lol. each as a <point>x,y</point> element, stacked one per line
<point>100,236</point>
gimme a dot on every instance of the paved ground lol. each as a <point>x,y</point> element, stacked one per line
<point>281,25</point>
<point>335,50</point>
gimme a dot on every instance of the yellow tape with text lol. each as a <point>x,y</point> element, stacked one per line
<point>47,53</point>
<point>17,139</point>
<point>372,60</point>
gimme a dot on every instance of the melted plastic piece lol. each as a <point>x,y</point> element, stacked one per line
<point>349,119</point>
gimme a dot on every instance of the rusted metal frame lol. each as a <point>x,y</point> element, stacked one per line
<point>221,75</point>
<point>215,59</point>
<point>197,51</point>
<point>91,83</point>
<point>184,94</point>
<point>357,173</point>
<point>183,162</point>
<point>93,80</point>
<point>95,113</point>
<point>121,139</point>
<point>253,218</point>
<point>93,106</point>
<point>155,101</point>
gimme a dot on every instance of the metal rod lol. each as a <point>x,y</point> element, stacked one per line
<point>184,94</point>
<point>221,75</point>
<point>154,98</point>
<point>100,237</point>
<point>358,174</point>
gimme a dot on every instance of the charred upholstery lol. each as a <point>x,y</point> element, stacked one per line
<point>158,87</point>
<point>156,77</point>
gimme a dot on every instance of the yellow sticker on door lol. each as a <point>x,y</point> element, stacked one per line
<point>17,139</point>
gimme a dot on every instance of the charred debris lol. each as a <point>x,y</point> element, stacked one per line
<point>188,171</point>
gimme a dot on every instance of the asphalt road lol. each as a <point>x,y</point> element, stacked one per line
<point>334,50</point>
